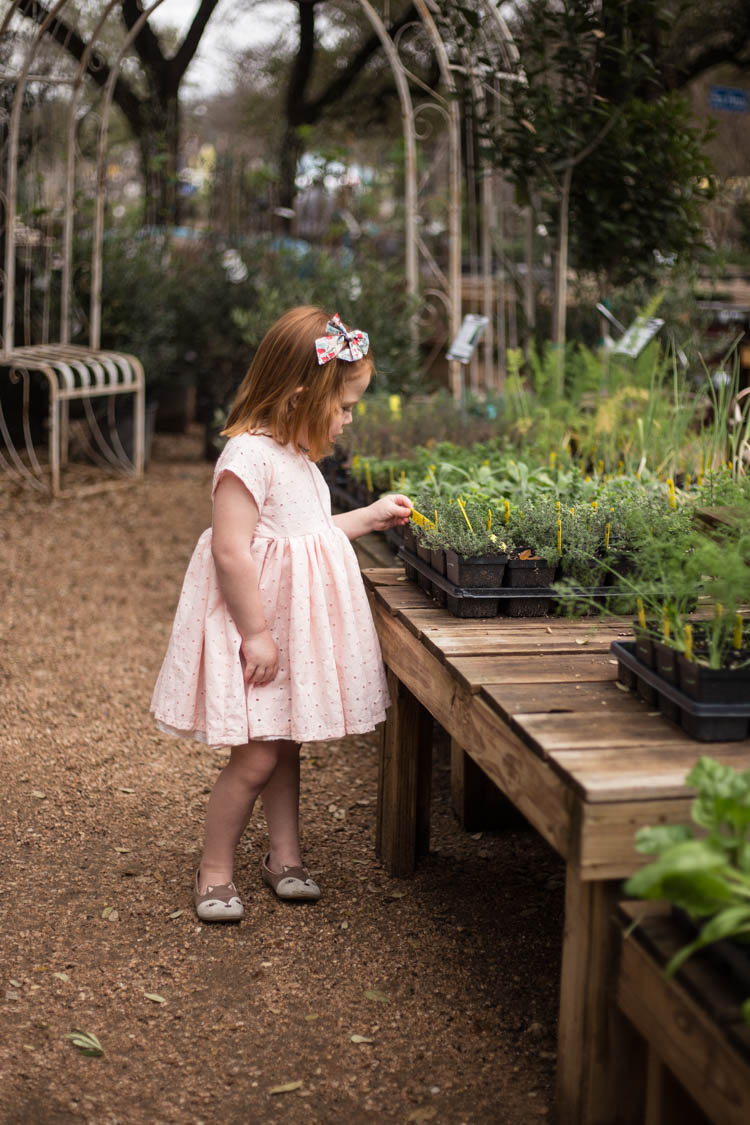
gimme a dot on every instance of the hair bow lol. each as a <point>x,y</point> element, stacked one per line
<point>341,342</point>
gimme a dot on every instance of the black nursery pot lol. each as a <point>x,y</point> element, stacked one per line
<point>437,562</point>
<point>533,573</point>
<point>529,572</point>
<point>644,646</point>
<point>665,658</point>
<point>424,553</point>
<point>410,541</point>
<point>476,571</point>
<point>713,685</point>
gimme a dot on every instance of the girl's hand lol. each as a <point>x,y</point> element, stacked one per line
<point>261,658</point>
<point>390,511</point>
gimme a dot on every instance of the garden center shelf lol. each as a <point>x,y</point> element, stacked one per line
<point>492,601</point>
<point>706,722</point>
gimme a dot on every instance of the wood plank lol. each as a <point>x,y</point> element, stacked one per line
<point>403,783</point>
<point>540,794</point>
<point>641,772</point>
<point>698,1053</point>
<point>407,598</point>
<point>512,699</point>
<point>565,731</point>
<point>604,833</point>
<point>597,1049</point>
<point>476,671</point>
<point>446,646</point>
<point>383,576</point>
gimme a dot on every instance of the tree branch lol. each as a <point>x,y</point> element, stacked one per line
<point>68,38</point>
<point>184,56</point>
<point>348,75</point>
<point>297,108</point>
<point>146,44</point>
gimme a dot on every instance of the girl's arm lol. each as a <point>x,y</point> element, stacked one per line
<point>388,511</point>
<point>234,521</point>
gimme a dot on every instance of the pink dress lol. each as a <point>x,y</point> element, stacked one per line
<point>331,680</point>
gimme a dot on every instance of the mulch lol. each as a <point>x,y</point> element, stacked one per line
<point>427,999</point>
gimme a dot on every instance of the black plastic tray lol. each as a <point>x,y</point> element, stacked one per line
<point>706,722</point>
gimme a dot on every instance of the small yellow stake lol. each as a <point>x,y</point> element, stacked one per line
<point>552,458</point>
<point>572,511</point>
<point>368,476</point>
<point>557,506</point>
<point>559,537</point>
<point>687,482</point>
<point>688,642</point>
<point>737,635</point>
<point>402,480</point>
<point>507,511</point>
<point>606,536</point>
<point>672,497</point>
<point>462,506</point>
<point>600,467</point>
<point>641,613</point>
<point>436,519</point>
<point>489,519</point>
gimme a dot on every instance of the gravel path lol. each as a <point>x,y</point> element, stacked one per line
<point>430,999</point>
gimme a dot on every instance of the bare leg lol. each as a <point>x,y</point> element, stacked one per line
<point>229,807</point>
<point>281,806</point>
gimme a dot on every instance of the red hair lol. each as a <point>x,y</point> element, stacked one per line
<point>269,397</point>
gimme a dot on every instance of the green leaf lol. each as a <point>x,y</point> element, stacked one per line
<point>652,841</point>
<point>86,1042</point>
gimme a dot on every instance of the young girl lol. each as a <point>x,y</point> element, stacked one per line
<point>273,642</point>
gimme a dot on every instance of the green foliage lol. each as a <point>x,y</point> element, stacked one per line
<point>594,103</point>
<point>367,294</point>
<point>709,876</point>
<point>652,177</point>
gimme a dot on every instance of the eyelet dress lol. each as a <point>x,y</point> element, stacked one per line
<point>331,680</point>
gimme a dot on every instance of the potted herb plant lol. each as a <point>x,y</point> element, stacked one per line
<point>706,879</point>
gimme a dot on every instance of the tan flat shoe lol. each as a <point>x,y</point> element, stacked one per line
<point>221,903</point>
<point>291,883</point>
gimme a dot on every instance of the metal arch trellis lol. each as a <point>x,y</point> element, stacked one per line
<point>73,372</point>
<point>446,286</point>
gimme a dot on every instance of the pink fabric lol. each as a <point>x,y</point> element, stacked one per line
<point>331,680</point>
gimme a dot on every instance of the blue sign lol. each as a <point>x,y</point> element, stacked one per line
<point>728,98</point>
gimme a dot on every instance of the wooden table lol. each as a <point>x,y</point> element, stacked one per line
<point>534,704</point>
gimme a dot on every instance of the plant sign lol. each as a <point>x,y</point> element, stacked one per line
<point>640,333</point>
<point>467,338</point>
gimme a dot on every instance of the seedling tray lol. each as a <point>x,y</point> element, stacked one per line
<point>489,601</point>
<point>706,722</point>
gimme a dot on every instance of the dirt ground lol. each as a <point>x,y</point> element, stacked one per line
<point>449,980</point>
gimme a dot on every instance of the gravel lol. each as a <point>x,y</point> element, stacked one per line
<point>427,999</point>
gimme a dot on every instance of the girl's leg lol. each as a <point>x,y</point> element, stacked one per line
<point>281,806</point>
<point>229,807</point>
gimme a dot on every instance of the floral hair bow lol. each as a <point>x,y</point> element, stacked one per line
<point>341,343</point>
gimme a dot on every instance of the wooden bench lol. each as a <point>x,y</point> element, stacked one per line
<point>534,705</point>
<point>698,1061</point>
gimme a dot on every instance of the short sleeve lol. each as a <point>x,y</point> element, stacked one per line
<point>247,460</point>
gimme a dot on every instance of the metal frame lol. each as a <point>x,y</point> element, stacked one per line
<point>72,372</point>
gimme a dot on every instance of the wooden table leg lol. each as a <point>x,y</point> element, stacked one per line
<point>404,780</point>
<point>477,801</point>
<point>601,1059</point>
